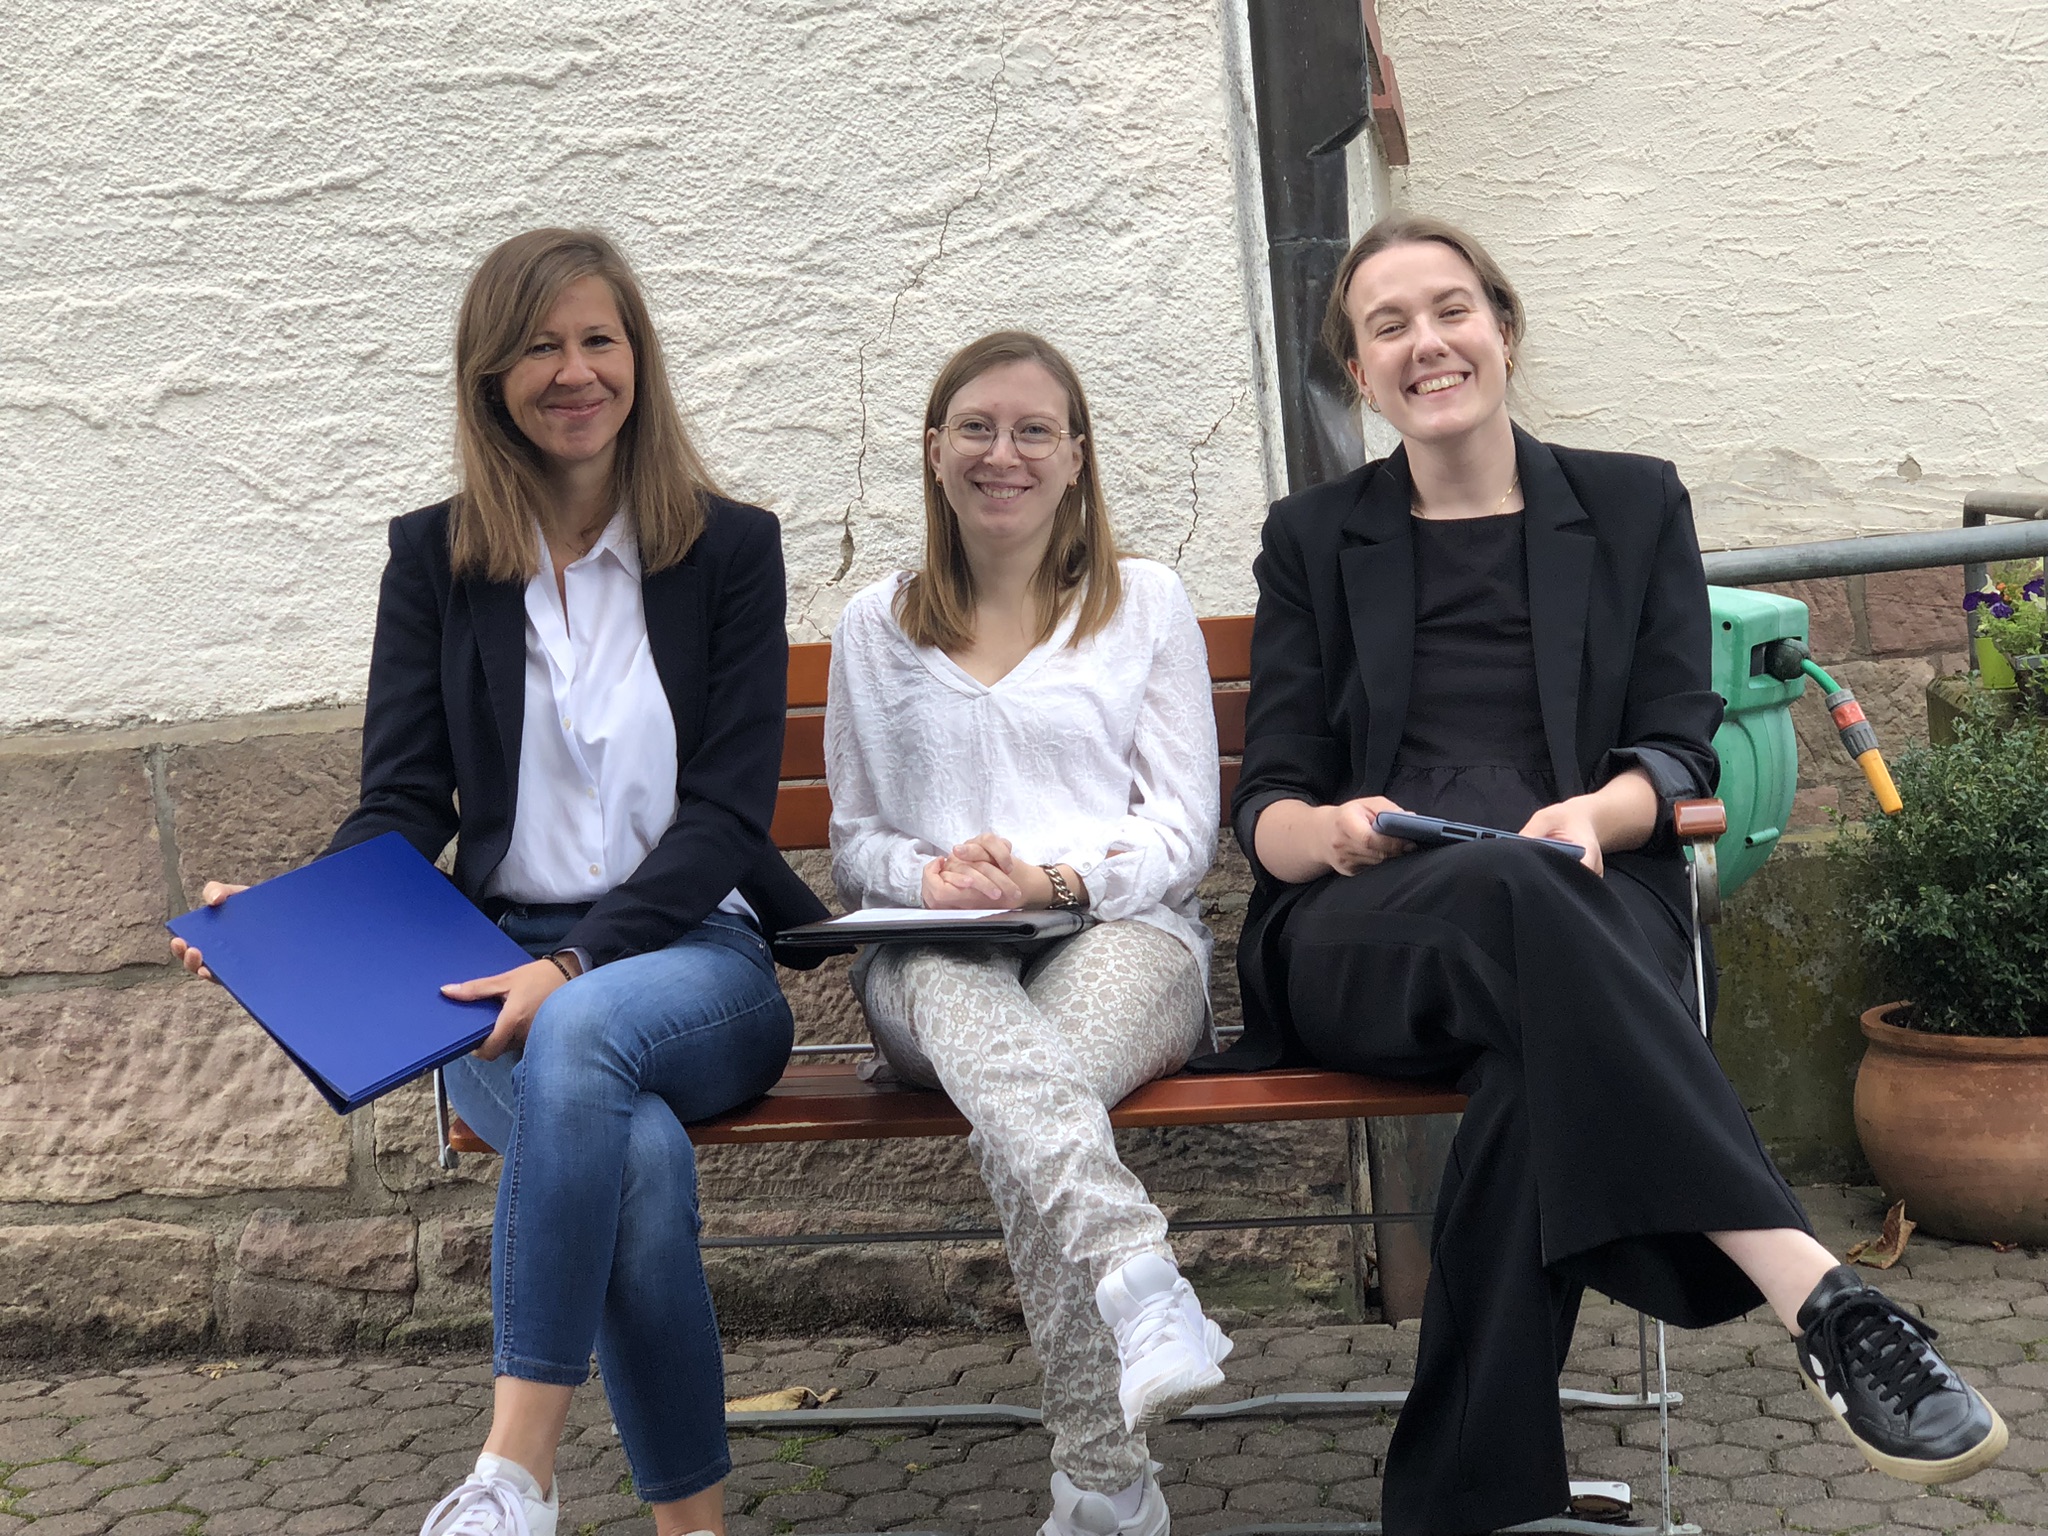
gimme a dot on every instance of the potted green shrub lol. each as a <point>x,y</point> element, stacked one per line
<point>1952,1094</point>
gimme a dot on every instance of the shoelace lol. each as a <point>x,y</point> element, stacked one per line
<point>480,1508</point>
<point>1161,1314</point>
<point>1872,1339</point>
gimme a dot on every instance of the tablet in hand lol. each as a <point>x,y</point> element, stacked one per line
<point>1435,832</point>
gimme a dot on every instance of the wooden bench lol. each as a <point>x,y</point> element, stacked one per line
<point>824,1100</point>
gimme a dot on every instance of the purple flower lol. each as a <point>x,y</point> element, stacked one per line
<point>2001,610</point>
<point>1974,600</point>
<point>2035,587</point>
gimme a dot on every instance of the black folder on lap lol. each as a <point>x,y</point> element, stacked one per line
<point>916,925</point>
<point>343,961</point>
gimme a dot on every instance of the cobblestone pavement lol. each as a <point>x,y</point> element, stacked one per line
<point>192,1448</point>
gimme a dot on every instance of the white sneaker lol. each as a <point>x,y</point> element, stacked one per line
<point>1170,1353</point>
<point>1075,1513</point>
<point>500,1498</point>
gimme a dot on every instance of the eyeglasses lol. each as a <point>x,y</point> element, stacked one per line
<point>973,436</point>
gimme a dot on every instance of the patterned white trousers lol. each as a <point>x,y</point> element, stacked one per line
<point>1034,1046</point>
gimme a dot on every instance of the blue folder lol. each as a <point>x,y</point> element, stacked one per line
<point>343,963</point>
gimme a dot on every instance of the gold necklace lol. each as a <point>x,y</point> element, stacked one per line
<point>1500,506</point>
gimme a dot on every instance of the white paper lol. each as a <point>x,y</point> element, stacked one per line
<point>917,915</point>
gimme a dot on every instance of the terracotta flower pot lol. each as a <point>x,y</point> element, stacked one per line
<point>1957,1127</point>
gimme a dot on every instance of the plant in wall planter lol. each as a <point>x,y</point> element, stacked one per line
<point>2011,620</point>
<point>1952,1094</point>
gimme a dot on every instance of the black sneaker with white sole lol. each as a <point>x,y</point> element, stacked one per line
<point>1874,1364</point>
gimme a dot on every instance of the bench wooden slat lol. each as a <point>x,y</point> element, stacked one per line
<point>1230,648</point>
<point>803,817</point>
<point>1230,706</point>
<point>808,666</point>
<point>828,1102</point>
<point>803,747</point>
<point>815,1102</point>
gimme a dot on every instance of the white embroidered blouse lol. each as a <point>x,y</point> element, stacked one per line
<point>1101,756</point>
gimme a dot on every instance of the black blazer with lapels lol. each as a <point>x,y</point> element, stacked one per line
<point>447,703</point>
<point>1618,621</point>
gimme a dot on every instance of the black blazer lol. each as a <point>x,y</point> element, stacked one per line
<point>1618,620</point>
<point>447,702</point>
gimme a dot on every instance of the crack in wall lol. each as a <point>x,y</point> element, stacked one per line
<point>1195,474</point>
<point>860,476</point>
<point>847,544</point>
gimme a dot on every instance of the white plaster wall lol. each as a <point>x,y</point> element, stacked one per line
<point>1798,246</point>
<point>233,234</point>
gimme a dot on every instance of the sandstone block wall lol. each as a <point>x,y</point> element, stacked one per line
<point>167,1178</point>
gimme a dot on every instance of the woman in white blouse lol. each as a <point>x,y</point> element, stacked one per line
<point>1025,722</point>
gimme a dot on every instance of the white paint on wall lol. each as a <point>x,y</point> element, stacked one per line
<point>236,230</point>
<point>1797,246</point>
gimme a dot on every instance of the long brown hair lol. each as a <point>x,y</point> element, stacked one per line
<point>655,469</point>
<point>1415,229</point>
<point>936,606</point>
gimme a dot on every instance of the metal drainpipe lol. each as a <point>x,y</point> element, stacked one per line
<point>1312,91</point>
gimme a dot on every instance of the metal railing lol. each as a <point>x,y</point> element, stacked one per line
<point>1973,546</point>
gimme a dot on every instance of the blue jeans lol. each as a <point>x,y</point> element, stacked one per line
<point>596,1232</point>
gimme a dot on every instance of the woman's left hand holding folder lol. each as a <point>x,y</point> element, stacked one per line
<point>214,893</point>
<point>524,989</point>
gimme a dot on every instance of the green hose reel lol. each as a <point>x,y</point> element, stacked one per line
<point>1759,752</point>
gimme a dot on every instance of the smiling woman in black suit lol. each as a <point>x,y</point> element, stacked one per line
<point>1491,629</point>
<point>578,674</point>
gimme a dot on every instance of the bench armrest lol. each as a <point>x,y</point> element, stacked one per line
<point>1695,820</point>
<point>1700,824</point>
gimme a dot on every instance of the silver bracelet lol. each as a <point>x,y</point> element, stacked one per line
<point>1062,893</point>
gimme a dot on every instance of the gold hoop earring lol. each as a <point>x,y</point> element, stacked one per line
<point>1372,405</point>
<point>1511,367</point>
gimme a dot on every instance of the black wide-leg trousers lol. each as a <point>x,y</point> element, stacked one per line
<point>1600,1140</point>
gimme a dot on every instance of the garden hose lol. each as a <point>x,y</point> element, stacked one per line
<point>1787,659</point>
<point>1858,739</point>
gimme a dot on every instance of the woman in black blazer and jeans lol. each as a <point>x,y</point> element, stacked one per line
<point>1490,629</point>
<point>578,675</point>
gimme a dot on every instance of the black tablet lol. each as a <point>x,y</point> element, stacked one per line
<point>1434,832</point>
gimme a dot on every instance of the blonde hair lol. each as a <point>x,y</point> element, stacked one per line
<point>936,606</point>
<point>1415,229</point>
<point>656,472</point>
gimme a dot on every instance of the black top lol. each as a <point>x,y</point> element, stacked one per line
<point>1618,628</point>
<point>442,726</point>
<point>1472,748</point>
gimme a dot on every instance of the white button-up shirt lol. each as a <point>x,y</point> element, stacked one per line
<point>1101,756</point>
<point>597,748</point>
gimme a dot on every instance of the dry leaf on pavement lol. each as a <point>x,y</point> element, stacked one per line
<point>1891,1241</point>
